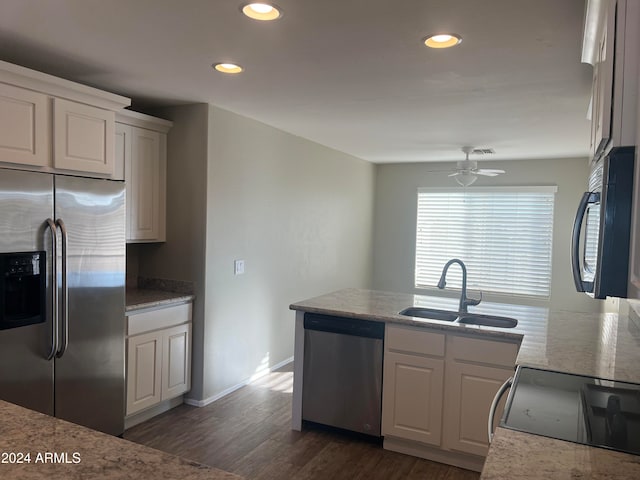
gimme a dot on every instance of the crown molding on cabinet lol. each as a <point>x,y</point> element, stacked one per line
<point>142,120</point>
<point>61,88</point>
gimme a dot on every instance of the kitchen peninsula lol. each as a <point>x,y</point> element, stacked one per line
<point>602,345</point>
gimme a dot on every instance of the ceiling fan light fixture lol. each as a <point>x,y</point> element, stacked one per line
<point>442,40</point>
<point>466,178</point>
<point>231,68</point>
<point>261,11</point>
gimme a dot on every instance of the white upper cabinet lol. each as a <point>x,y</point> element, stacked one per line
<point>83,137</point>
<point>611,45</point>
<point>602,87</point>
<point>24,126</point>
<point>53,125</point>
<point>141,147</point>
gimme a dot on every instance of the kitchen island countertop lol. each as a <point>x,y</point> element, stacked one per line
<point>97,455</point>
<point>603,345</point>
<point>597,344</point>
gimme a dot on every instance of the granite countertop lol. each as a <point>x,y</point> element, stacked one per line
<point>384,307</point>
<point>87,454</point>
<point>138,298</point>
<point>518,456</point>
<point>603,345</point>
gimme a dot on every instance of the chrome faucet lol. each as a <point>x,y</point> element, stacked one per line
<point>464,301</point>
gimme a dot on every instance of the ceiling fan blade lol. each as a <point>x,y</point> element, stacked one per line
<point>454,174</point>
<point>489,173</point>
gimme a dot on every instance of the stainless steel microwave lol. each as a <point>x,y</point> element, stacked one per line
<point>602,227</point>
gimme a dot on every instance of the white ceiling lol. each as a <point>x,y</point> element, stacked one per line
<point>350,74</point>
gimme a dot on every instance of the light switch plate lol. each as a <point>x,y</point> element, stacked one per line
<point>238,267</point>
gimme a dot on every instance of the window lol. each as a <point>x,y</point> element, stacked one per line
<point>502,234</point>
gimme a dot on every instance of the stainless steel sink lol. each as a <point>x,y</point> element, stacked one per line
<point>488,320</point>
<point>465,318</point>
<point>430,313</point>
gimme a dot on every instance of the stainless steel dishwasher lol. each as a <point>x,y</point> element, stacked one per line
<point>342,378</point>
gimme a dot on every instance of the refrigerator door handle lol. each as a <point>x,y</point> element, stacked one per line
<point>54,288</point>
<point>65,292</point>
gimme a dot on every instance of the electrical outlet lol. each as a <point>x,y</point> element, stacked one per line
<point>238,267</point>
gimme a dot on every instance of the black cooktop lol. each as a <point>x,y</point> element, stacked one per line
<point>588,410</point>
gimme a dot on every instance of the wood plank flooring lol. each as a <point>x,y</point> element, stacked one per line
<point>249,433</point>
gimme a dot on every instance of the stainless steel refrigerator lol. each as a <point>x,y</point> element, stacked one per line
<point>62,274</point>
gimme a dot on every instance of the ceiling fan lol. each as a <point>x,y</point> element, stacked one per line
<point>467,171</point>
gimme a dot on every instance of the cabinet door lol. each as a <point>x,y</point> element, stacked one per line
<point>83,138</point>
<point>24,126</point>
<point>412,397</point>
<point>145,177</point>
<point>122,153</point>
<point>469,391</point>
<point>144,368</point>
<point>603,82</point>
<point>176,361</point>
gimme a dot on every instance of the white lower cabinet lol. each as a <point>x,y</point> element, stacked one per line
<point>437,391</point>
<point>144,370</point>
<point>476,368</point>
<point>413,397</point>
<point>469,392</point>
<point>158,361</point>
<point>176,361</point>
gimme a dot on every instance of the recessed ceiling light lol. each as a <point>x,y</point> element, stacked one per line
<point>262,11</point>
<point>442,40</point>
<point>227,67</point>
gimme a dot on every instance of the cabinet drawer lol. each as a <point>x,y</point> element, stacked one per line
<point>483,351</point>
<point>414,340</point>
<point>156,319</point>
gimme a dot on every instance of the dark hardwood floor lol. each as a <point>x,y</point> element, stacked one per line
<point>249,433</point>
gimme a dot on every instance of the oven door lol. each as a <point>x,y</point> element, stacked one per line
<point>584,255</point>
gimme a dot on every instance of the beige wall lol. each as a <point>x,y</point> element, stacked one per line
<point>301,217</point>
<point>299,214</point>
<point>395,217</point>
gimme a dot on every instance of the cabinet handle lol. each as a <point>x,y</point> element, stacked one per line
<point>494,406</point>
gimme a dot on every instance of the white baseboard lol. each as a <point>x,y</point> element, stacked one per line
<point>144,415</point>
<point>227,391</point>
<point>417,449</point>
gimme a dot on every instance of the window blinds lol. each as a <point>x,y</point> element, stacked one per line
<point>502,234</point>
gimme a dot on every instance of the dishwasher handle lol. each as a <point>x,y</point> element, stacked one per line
<point>345,326</point>
<point>494,406</point>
